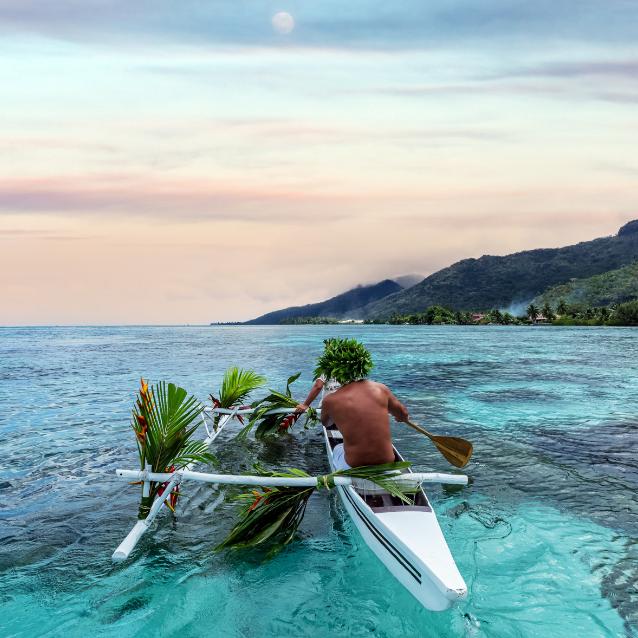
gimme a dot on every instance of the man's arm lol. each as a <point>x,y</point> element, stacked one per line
<point>326,419</point>
<point>396,408</point>
<point>312,395</point>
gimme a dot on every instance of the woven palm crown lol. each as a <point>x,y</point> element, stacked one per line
<point>345,360</point>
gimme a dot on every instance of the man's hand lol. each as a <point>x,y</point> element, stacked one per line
<point>301,407</point>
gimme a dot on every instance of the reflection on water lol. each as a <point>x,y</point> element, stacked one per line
<point>545,535</point>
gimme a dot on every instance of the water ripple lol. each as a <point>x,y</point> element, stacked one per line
<point>546,534</point>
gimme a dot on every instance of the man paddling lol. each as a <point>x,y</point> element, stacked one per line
<point>360,408</point>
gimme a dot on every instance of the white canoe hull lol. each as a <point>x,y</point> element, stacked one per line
<point>409,542</point>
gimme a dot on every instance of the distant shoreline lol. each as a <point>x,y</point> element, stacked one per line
<point>274,325</point>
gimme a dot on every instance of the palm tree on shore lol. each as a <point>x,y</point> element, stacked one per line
<point>532,312</point>
<point>562,309</point>
<point>548,312</point>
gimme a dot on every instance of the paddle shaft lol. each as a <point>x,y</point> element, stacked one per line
<point>418,428</point>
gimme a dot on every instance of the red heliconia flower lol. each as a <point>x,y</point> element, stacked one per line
<point>141,433</point>
<point>290,420</point>
<point>240,418</point>
<point>163,486</point>
<point>145,393</point>
<point>172,499</point>
<point>258,498</point>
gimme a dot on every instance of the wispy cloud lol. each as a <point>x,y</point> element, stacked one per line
<point>17,234</point>
<point>541,83</point>
<point>177,199</point>
<point>622,68</point>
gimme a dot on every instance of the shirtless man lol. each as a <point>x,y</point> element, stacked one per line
<point>361,411</point>
<point>359,408</point>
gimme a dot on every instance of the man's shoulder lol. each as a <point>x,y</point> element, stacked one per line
<point>377,385</point>
<point>370,387</point>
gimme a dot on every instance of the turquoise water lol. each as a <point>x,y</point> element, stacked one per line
<point>545,535</point>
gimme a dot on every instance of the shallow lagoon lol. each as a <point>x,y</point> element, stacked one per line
<point>545,536</point>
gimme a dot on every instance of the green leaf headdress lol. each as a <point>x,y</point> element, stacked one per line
<point>345,360</point>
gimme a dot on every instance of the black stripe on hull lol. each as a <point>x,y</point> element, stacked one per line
<point>400,558</point>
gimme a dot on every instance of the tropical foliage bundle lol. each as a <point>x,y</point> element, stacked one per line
<point>164,420</point>
<point>236,387</point>
<point>274,514</point>
<point>345,360</point>
<point>275,424</point>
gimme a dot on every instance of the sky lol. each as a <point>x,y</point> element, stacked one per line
<point>186,162</point>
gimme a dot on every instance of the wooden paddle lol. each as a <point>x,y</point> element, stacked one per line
<point>457,451</point>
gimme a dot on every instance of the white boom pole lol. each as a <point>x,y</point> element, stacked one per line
<point>415,478</point>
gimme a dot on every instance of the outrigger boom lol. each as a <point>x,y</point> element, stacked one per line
<point>414,478</point>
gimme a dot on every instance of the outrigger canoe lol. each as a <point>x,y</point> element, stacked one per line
<point>406,538</point>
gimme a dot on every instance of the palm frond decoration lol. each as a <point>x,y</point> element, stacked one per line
<point>164,420</point>
<point>273,515</point>
<point>275,424</point>
<point>236,387</point>
<point>345,360</point>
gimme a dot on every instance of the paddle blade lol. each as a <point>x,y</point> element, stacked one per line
<point>457,451</point>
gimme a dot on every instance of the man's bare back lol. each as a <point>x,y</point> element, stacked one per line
<point>361,412</point>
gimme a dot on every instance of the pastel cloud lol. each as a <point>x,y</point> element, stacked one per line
<point>244,170</point>
<point>175,199</point>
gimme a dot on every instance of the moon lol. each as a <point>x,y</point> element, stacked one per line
<point>283,22</point>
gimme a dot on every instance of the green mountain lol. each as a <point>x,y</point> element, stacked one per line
<point>337,306</point>
<point>612,287</point>
<point>499,282</point>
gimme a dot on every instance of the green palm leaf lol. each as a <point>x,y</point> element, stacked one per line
<point>274,514</point>
<point>236,386</point>
<point>165,418</point>
<point>276,424</point>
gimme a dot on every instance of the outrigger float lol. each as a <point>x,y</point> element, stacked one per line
<point>405,537</point>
